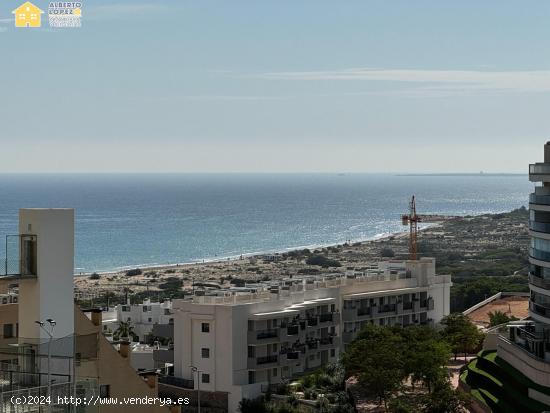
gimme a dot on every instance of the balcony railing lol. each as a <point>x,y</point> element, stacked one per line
<point>325,318</point>
<point>325,341</point>
<point>265,334</point>
<point>387,308</point>
<point>312,345</point>
<point>266,360</point>
<point>292,330</point>
<point>293,355</point>
<point>539,254</point>
<point>408,305</point>
<point>539,282</point>
<point>539,226</point>
<point>177,382</point>
<point>20,256</point>
<point>312,322</point>
<point>539,309</point>
<point>539,169</point>
<point>364,311</point>
<point>539,199</point>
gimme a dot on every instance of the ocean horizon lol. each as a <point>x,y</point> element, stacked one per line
<point>139,220</point>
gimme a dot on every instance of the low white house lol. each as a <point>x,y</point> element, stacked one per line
<point>143,317</point>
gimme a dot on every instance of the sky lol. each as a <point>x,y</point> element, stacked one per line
<point>277,86</point>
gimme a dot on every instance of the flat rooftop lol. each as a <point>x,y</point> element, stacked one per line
<point>517,306</point>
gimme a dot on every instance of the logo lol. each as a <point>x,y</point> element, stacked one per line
<point>28,15</point>
<point>65,14</point>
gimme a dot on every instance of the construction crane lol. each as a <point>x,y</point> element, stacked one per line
<point>412,219</point>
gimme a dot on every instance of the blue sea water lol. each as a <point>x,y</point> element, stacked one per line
<point>137,220</point>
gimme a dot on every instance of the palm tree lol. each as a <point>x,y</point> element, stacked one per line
<point>124,331</point>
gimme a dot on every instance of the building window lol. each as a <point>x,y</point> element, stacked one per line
<point>8,330</point>
<point>275,372</point>
<point>205,378</point>
<point>150,319</point>
<point>332,352</point>
<point>251,351</point>
<point>251,377</point>
<point>205,353</point>
<point>104,391</point>
<point>205,327</point>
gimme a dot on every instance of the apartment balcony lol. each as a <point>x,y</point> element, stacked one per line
<point>326,342</point>
<point>263,336</point>
<point>326,318</point>
<point>524,360</point>
<point>293,330</point>
<point>539,226</point>
<point>312,345</point>
<point>264,362</point>
<point>176,382</point>
<point>427,304</point>
<point>387,308</point>
<point>312,321</point>
<point>539,281</point>
<point>539,199</point>
<point>349,314</point>
<point>539,310</point>
<point>294,355</point>
<point>366,311</point>
<point>408,306</point>
<point>20,260</point>
<point>539,172</point>
<point>348,336</point>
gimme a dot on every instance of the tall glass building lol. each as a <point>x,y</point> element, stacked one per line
<point>539,256</point>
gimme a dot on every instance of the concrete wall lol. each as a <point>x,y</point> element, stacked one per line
<point>112,369</point>
<point>50,294</point>
<point>536,370</point>
<point>8,315</point>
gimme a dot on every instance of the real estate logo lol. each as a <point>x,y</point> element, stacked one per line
<point>28,15</point>
<point>65,14</point>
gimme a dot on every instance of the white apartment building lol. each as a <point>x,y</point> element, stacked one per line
<point>239,342</point>
<point>142,317</point>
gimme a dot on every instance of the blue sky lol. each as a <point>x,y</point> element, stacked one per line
<point>278,86</point>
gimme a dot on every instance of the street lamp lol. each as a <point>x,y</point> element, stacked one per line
<point>52,324</point>
<point>196,370</point>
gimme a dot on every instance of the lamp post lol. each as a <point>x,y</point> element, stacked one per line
<point>196,370</point>
<point>52,324</point>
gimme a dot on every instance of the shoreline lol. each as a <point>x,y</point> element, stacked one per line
<point>233,258</point>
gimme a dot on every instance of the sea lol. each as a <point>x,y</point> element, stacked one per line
<point>138,220</point>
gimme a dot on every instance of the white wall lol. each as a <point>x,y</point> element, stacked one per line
<point>50,295</point>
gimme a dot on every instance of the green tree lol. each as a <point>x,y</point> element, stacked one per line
<point>376,359</point>
<point>124,331</point>
<point>445,399</point>
<point>425,354</point>
<point>499,317</point>
<point>257,405</point>
<point>461,334</point>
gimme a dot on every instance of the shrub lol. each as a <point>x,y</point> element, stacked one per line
<point>95,276</point>
<point>238,282</point>
<point>134,272</point>
<point>387,252</point>
<point>322,261</point>
<point>253,405</point>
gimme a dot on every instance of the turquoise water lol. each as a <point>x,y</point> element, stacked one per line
<point>137,220</point>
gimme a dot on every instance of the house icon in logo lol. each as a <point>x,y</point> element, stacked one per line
<point>27,15</point>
